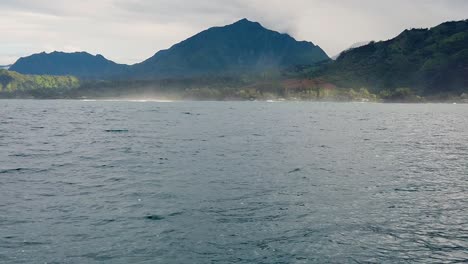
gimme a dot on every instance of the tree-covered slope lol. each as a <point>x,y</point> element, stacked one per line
<point>13,83</point>
<point>80,64</point>
<point>244,46</point>
<point>427,61</point>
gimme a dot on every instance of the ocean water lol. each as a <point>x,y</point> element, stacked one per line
<point>232,182</point>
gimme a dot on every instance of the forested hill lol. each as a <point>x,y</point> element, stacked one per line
<point>425,61</point>
<point>244,46</point>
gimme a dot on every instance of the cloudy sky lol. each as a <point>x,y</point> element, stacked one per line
<point>129,31</point>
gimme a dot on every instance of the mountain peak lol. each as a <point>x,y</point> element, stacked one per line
<point>243,20</point>
<point>246,22</point>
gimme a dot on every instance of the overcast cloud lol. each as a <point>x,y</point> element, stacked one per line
<point>129,31</point>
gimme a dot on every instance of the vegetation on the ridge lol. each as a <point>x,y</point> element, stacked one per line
<point>418,62</point>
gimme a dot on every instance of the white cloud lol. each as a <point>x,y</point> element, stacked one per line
<point>130,31</point>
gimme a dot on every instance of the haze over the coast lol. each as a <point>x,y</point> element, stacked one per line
<point>129,31</point>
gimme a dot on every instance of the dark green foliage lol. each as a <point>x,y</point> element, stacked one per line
<point>214,88</point>
<point>13,84</point>
<point>427,60</point>
<point>80,64</point>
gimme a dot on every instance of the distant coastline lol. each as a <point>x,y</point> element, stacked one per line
<point>245,61</point>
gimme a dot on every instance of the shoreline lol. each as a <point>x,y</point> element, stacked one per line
<point>167,100</point>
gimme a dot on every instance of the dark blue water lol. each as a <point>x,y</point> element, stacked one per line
<point>232,182</point>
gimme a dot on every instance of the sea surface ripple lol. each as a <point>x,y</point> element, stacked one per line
<point>232,182</point>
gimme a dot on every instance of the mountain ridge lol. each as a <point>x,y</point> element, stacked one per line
<point>241,47</point>
<point>80,64</point>
<point>425,61</point>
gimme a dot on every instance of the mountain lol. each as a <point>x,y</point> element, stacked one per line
<point>243,47</point>
<point>425,61</point>
<point>79,64</point>
<point>4,67</point>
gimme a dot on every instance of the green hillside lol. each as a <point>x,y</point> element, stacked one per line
<point>419,61</point>
<point>15,84</point>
